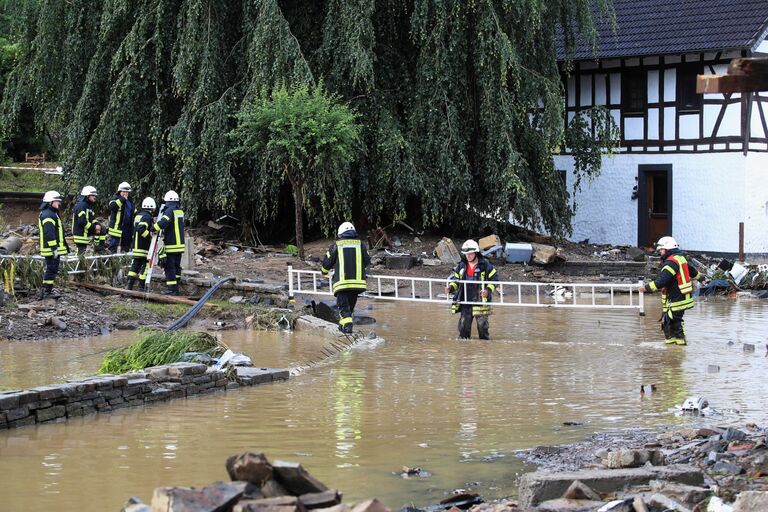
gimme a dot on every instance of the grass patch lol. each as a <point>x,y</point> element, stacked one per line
<point>166,310</point>
<point>25,180</point>
<point>124,312</point>
<point>158,347</point>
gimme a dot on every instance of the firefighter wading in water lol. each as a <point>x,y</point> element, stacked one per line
<point>473,267</point>
<point>52,243</point>
<point>676,284</point>
<point>347,258</point>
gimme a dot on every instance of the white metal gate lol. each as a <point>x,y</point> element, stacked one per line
<point>508,293</point>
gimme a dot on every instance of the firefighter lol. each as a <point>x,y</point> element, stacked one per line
<point>676,284</point>
<point>117,209</point>
<point>126,239</point>
<point>347,258</point>
<point>142,238</point>
<point>472,267</point>
<point>52,242</point>
<point>84,225</point>
<point>171,222</point>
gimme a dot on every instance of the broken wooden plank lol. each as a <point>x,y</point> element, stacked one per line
<point>168,299</point>
<point>749,67</point>
<point>744,75</point>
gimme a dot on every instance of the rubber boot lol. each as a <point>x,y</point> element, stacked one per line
<point>172,290</point>
<point>47,292</point>
<point>131,282</point>
<point>141,286</point>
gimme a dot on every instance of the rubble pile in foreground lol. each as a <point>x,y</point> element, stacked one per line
<point>256,486</point>
<point>690,470</point>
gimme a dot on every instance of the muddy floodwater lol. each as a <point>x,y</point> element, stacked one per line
<point>457,409</point>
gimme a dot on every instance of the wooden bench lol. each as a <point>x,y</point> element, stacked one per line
<point>33,159</point>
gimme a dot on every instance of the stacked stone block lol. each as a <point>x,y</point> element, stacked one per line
<point>105,393</point>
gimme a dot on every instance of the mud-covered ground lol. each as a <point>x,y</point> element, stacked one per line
<point>81,312</point>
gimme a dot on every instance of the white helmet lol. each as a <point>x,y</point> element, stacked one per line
<point>88,191</point>
<point>469,246</point>
<point>171,196</point>
<point>124,187</point>
<point>148,204</point>
<point>667,242</point>
<point>344,227</point>
<point>51,196</point>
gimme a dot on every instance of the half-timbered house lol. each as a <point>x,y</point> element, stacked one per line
<point>690,165</point>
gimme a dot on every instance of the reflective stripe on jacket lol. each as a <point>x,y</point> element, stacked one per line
<point>82,221</point>
<point>485,272</point>
<point>171,221</point>
<point>675,283</point>
<point>141,234</point>
<point>51,232</point>
<point>347,258</point>
<point>116,208</point>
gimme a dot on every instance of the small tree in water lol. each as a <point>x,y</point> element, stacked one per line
<point>305,135</point>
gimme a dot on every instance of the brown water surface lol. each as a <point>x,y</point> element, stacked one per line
<point>458,409</point>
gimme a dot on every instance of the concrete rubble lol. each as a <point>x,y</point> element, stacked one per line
<point>688,470</point>
<point>255,485</point>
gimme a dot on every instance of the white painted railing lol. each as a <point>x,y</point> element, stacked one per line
<point>71,264</point>
<point>508,293</point>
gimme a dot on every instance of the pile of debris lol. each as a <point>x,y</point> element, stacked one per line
<point>256,486</point>
<point>689,470</point>
<point>447,253</point>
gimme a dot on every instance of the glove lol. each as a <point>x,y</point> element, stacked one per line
<point>55,253</point>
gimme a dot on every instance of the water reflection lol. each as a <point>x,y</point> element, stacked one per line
<point>456,409</point>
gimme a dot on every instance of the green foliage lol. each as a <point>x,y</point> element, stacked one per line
<point>460,103</point>
<point>25,180</point>
<point>157,348</point>
<point>306,136</point>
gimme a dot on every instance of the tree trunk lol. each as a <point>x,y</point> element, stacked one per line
<point>298,200</point>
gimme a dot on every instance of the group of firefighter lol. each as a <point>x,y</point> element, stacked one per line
<point>348,258</point>
<point>127,230</point>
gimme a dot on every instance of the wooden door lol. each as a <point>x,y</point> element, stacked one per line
<point>655,203</point>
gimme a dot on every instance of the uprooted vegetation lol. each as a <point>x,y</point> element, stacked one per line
<point>156,348</point>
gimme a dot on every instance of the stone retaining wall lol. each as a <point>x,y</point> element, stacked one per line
<point>106,393</point>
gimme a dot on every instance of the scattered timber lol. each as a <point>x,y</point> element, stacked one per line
<point>156,297</point>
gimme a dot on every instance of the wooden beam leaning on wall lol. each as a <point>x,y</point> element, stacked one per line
<point>744,75</point>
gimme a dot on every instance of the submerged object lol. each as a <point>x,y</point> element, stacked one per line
<point>695,404</point>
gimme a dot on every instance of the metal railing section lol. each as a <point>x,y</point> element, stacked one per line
<point>507,293</point>
<point>71,264</point>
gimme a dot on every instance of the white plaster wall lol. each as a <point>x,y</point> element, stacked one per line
<point>604,212</point>
<point>756,204</point>
<point>707,202</point>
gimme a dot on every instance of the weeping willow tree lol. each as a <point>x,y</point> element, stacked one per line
<point>460,101</point>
